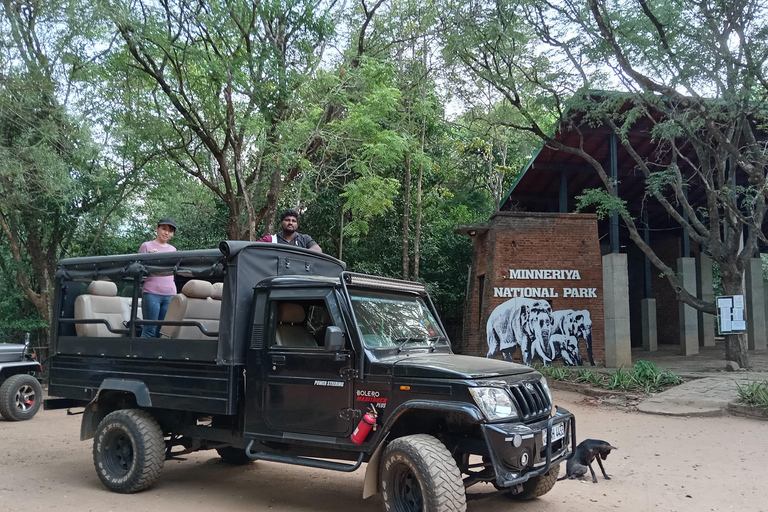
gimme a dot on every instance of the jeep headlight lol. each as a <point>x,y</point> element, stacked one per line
<point>546,388</point>
<point>495,403</point>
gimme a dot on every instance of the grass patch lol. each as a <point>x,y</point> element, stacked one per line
<point>754,393</point>
<point>589,377</point>
<point>643,376</point>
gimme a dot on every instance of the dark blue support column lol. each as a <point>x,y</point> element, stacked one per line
<point>614,168</point>
<point>563,192</point>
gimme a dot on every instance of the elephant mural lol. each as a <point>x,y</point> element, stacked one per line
<point>520,322</point>
<point>539,332</point>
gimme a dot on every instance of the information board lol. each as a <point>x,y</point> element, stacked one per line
<point>730,314</point>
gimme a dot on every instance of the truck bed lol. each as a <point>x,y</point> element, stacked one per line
<point>180,385</point>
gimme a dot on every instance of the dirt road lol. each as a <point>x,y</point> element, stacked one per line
<point>663,464</point>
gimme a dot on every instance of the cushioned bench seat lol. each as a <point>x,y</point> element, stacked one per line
<point>199,301</point>
<point>101,302</point>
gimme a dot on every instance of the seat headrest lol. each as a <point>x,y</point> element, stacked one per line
<point>197,289</point>
<point>103,288</point>
<point>290,313</point>
<point>218,289</point>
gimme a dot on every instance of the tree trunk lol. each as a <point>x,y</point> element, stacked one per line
<point>273,195</point>
<point>406,211</point>
<point>498,185</point>
<point>233,226</point>
<point>417,236</point>
<point>341,232</point>
<point>492,179</point>
<point>735,344</point>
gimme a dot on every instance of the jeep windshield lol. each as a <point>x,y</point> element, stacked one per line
<point>388,320</point>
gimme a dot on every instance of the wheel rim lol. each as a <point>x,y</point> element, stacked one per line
<point>407,490</point>
<point>25,398</point>
<point>118,452</point>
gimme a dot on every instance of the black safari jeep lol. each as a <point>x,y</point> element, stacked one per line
<point>276,353</point>
<point>20,391</point>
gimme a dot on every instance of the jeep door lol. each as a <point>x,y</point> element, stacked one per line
<point>308,389</point>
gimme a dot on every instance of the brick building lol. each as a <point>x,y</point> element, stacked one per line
<point>635,307</point>
<point>548,258</point>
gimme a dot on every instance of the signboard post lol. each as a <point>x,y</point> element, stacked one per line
<point>730,314</point>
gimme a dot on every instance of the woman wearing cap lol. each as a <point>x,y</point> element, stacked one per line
<point>158,290</point>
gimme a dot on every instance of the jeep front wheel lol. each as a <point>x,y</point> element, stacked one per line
<point>20,397</point>
<point>537,486</point>
<point>128,450</point>
<point>418,474</point>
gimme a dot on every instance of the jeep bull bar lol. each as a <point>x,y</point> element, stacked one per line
<point>520,452</point>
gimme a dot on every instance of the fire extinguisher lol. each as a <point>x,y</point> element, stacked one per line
<point>365,426</point>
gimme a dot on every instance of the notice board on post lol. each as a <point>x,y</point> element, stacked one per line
<point>730,314</point>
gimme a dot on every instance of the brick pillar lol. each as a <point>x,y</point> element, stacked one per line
<point>705,292</point>
<point>755,298</point>
<point>618,346</point>
<point>689,321</point>
<point>650,342</point>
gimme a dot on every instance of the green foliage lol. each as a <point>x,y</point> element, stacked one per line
<point>604,203</point>
<point>619,379</point>
<point>366,197</point>
<point>555,372</point>
<point>644,376</point>
<point>754,393</point>
<point>660,181</point>
<point>52,172</point>
<point>17,315</point>
<point>222,92</point>
<point>589,377</point>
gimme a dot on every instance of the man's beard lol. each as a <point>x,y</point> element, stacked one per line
<point>289,229</point>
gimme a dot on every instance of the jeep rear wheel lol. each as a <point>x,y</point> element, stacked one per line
<point>418,474</point>
<point>537,486</point>
<point>20,397</point>
<point>128,450</point>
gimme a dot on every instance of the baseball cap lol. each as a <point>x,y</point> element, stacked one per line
<point>167,221</point>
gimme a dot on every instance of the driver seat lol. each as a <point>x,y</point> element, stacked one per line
<point>291,330</point>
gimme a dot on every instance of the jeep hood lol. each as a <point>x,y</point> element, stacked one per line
<point>10,352</point>
<point>451,366</point>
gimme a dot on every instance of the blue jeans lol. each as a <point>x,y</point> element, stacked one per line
<point>153,307</point>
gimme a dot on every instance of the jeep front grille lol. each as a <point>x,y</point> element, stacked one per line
<point>531,398</point>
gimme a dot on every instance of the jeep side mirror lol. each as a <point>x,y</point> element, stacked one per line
<point>334,338</point>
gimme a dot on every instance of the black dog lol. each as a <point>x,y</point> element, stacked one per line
<point>587,451</point>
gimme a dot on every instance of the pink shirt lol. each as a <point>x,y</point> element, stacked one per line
<point>159,285</point>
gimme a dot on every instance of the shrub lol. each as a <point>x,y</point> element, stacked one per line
<point>621,379</point>
<point>644,376</point>
<point>754,393</point>
<point>651,378</point>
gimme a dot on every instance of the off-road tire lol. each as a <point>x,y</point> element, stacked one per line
<point>20,397</point>
<point>128,451</point>
<point>235,456</point>
<point>418,474</point>
<point>537,486</point>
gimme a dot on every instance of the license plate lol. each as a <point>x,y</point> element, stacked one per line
<point>558,432</point>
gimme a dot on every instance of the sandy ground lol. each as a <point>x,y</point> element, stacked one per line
<point>663,464</point>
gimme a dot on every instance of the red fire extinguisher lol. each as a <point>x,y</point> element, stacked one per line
<point>365,426</point>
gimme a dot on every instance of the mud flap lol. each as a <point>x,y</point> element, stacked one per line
<point>371,485</point>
